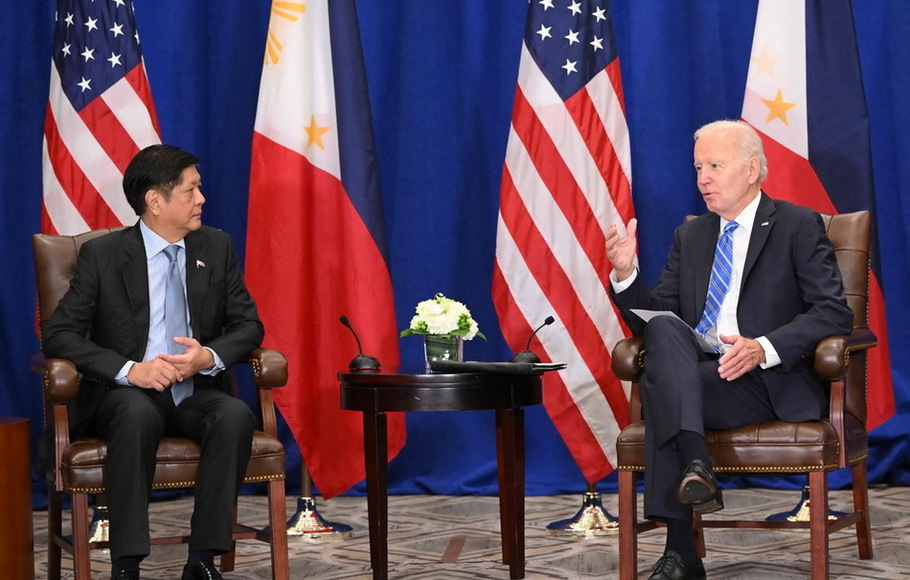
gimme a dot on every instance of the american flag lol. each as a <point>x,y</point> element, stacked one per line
<point>565,180</point>
<point>99,115</point>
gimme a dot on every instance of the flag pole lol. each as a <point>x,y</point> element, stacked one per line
<point>306,522</point>
<point>592,520</point>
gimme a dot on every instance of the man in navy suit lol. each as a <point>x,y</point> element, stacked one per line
<point>113,323</point>
<point>784,294</point>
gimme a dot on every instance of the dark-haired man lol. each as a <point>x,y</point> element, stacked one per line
<point>154,315</point>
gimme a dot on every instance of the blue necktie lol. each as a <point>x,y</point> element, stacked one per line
<point>175,319</point>
<point>721,273</point>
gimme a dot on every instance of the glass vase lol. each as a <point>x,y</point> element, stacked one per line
<point>437,347</point>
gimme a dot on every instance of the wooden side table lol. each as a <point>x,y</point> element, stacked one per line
<point>17,559</point>
<point>376,394</point>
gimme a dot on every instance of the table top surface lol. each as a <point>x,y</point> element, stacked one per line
<point>395,391</point>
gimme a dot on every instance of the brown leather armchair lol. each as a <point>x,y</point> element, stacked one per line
<point>812,448</point>
<point>76,466</point>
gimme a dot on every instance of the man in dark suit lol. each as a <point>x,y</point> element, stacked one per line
<point>143,379</point>
<point>778,292</point>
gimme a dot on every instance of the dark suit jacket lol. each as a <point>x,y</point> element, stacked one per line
<point>791,293</point>
<point>103,320</point>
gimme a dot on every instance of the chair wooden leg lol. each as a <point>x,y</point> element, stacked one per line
<point>861,505</point>
<point>54,531</point>
<point>818,524</point>
<point>699,532</point>
<point>278,530</point>
<point>82,563</point>
<point>628,526</point>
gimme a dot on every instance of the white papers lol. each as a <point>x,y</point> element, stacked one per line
<point>647,315</point>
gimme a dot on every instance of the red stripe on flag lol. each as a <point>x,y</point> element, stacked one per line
<point>310,260</point>
<point>613,73</point>
<point>556,285</point>
<point>562,409</point>
<point>109,133</point>
<point>140,83</point>
<point>47,226</point>
<point>600,147</point>
<point>84,196</point>
<point>561,184</point>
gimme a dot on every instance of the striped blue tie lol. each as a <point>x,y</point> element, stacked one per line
<point>175,319</point>
<point>721,272</point>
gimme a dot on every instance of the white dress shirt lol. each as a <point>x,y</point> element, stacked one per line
<point>727,323</point>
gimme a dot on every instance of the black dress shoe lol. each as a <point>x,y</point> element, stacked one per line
<point>201,571</point>
<point>126,575</point>
<point>671,567</point>
<point>699,488</point>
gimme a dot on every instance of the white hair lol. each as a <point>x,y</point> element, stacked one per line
<point>750,144</point>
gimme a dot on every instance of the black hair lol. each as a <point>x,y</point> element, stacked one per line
<point>157,167</point>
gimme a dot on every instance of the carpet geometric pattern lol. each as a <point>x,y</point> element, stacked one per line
<point>457,538</point>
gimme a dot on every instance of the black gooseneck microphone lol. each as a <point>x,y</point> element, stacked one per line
<point>527,356</point>
<point>361,363</point>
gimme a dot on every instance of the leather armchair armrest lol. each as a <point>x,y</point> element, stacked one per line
<point>832,353</point>
<point>61,379</point>
<point>628,358</point>
<point>270,368</point>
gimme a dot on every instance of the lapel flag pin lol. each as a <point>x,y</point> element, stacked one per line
<point>763,224</point>
<point>200,264</point>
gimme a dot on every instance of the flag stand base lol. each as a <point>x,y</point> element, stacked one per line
<point>99,528</point>
<point>801,512</point>
<point>312,527</point>
<point>592,520</point>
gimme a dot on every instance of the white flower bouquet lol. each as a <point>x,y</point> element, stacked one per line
<point>441,316</point>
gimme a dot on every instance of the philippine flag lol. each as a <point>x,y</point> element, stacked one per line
<point>315,236</point>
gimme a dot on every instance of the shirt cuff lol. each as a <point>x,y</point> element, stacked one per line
<point>620,286</point>
<point>772,359</point>
<point>217,367</point>
<point>121,376</point>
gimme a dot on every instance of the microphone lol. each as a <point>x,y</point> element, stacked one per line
<point>360,363</point>
<point>527,356</point>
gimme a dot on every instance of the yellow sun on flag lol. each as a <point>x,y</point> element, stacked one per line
<point>764,63</point>
<point>314,133</point>
<point>777,109</point>
<point>290,11</point>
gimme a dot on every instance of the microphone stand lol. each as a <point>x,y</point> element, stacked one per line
<point>592,520</point>
<point>306,522</point>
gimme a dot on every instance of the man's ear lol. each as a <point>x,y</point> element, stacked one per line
<point>153,201</point>
<point>754,169</point>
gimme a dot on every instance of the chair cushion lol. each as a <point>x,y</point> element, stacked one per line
<point>776,447</point>
<point>82,464</point>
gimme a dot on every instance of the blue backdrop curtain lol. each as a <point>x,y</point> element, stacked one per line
<point>442,78</point>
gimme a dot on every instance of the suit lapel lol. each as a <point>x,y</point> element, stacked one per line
<point>134,273</point>
<point>197,277</point>
<point>761,229</point>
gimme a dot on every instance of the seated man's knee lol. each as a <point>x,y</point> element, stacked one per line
<point>238,415</point>
<point>663,326</point>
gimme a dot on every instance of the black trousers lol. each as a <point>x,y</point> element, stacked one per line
<point>681,390</point>
<point>133,421</point>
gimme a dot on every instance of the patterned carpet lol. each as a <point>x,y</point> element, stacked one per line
<point>457,538</point>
